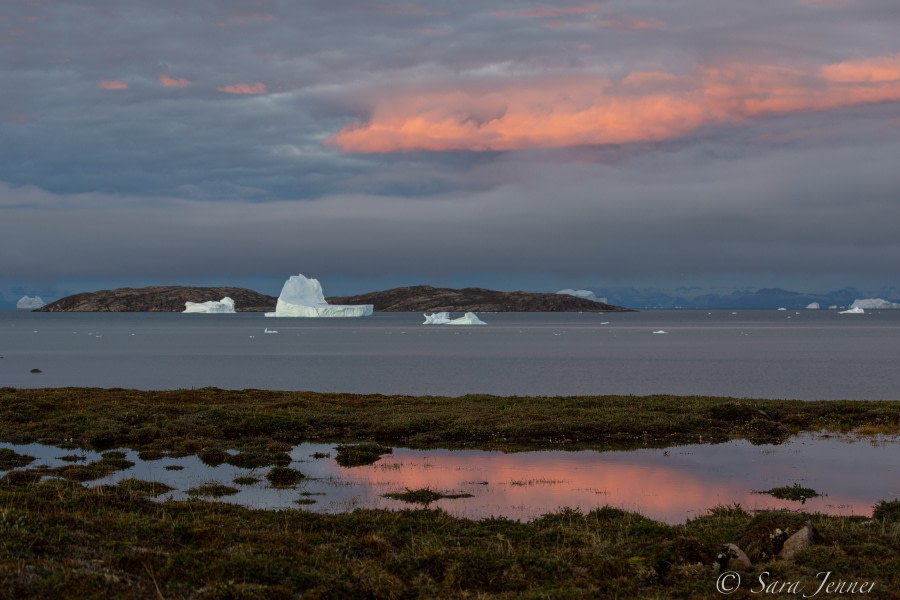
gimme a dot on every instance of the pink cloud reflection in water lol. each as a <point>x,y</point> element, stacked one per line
<point>672,485</point>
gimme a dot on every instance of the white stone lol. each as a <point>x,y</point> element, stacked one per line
<point>813,306</point>
<point>303,297</point>
<point>853,311</point>
<point>737,558</point>
<point>798,542</point>
<point>213,307</point>
<point>30,302</point>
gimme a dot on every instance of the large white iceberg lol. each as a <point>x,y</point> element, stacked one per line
<point>443,318</point>
<point>223,306</point>
<point>303,297</point>
<point>30,302</point>
<point>874,304</point>
<point>853,311</point>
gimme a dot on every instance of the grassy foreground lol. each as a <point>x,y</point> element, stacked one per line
<point>189,421</point>
<point>59,539</point>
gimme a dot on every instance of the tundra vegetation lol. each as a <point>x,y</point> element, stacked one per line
<point>61,539</point>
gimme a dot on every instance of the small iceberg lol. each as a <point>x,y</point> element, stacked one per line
<point>853,311</point>
<point>438,318</point>
<point>30,302</point>
<point>213,307</point>
<point>782,309</point>
<point>874,304</point>
<point>813,306</point>
<point>443,318</point>
<point>660,331</point>
<point>586,294</point>
<point>267,330</point>
<point>303,297</point>
<point>468,319</point>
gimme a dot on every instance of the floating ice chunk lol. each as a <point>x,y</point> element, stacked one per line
<point>30,302</point>
<point>443,318</point>
<point>813,306</point>
<point>853,311</point>
<point>267,330</point>
<point>604,323</point>
<point>223,306</point>
<point>468,319</point>
<point>832,307</point>
<point>438,318</point>
<point>660,331</point>
<point>782,309</point>
<point>874,303</point>
<point>303,297</point>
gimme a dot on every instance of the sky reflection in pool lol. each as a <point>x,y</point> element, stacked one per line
<point>669,485</point>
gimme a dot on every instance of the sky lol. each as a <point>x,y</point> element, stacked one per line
<point>504,144</point>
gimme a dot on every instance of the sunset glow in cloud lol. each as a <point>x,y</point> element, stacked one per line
<point>167,81</point>
<point>644,106</point>
<point>687,139</point>
<point>112,85</point>
<point>249,89</point>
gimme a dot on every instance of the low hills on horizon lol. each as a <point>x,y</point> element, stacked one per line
<point>429,298</point>
<point>404,299</point>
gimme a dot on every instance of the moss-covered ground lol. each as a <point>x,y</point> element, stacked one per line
<point>60,539</point>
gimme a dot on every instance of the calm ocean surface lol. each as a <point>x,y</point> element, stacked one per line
<point>769,354</point>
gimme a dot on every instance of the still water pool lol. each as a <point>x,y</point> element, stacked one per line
<point>671,485</point>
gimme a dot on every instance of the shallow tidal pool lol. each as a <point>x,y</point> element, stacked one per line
<point>670,485</point>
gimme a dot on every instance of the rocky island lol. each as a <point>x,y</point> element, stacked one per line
<point>169,298</point>
<point>417,298</point>
<point>427,298</point>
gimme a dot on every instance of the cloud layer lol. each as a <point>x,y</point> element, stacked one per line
<point>516,143</point>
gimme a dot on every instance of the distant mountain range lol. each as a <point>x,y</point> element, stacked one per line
<point>746,298</point>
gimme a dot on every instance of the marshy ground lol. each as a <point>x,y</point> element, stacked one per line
<point>61,539</point>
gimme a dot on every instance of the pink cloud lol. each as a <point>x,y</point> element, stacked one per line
<point>16,118</point>
<point>643,106</point>
<point>168,81</point>
<point>112,85</point>
<point>881,69</point>
<point>248,18</point>
<point>244,88</point>
<point>552,12</point>
<point>409,9</point>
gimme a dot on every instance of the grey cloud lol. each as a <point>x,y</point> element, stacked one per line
<point>187,183</point>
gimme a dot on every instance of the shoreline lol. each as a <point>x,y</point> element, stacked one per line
<point>61,539</point>
<point>184,420</point>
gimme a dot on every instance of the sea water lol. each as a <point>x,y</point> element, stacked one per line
<point>761,353</point>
